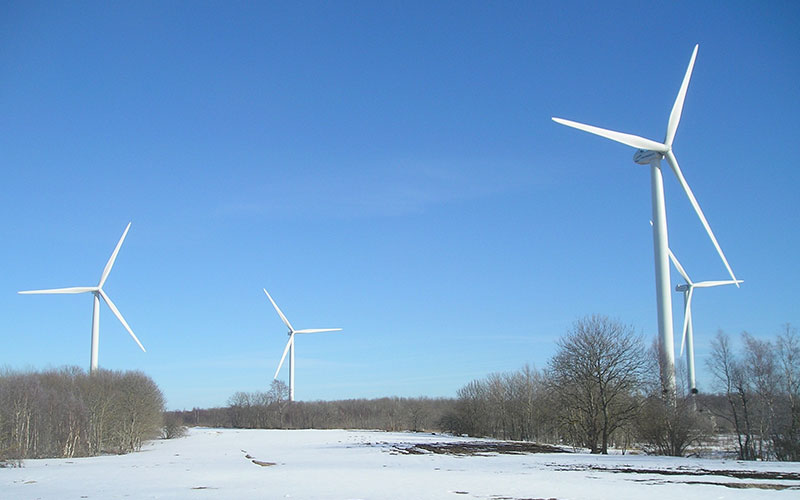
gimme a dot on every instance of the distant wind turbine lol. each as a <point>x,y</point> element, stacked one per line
<point>290,344</point>
<point>651,152</point>
<point>688,337</point>
<point>98,292</point>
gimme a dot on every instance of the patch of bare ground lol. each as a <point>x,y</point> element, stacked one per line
<point>479,448</point>
<point>514,498</point>
<point>263,464</point>
<point>257,462</point>
<point>680,471</point>
<point>760,486</point>
<point>695,472</point>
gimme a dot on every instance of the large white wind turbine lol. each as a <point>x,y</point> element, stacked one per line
<point>98,292</point>
<point>651,152</point>
<point>688,336</point>
<point>290,344</point>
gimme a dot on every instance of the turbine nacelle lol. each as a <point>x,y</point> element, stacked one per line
<point>646,157</point>
<point>682,288</point>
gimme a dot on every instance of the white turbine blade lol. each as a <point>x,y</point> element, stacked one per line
<point>318,330</point>
<point>74,289</point>
<point>285,351</point>
<point>119,317</point>
<point>687,317</point>
<point>113,257</point>
<point>627,139</point>
<point>707,284</point>
<point>677,108</point>
<point>673,162</point>
<point>679,267</point>
<point>278,309</point>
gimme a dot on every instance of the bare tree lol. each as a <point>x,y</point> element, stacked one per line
<point>138,411</point>
<point>786,435</point>
<point>759,365</point>
<point>597,371</point>
<point>730,377</point>
<point>668,426</point>
<point>278,397</point>
<point>173,426</point>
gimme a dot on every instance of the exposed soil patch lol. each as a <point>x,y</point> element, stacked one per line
<point>263,464</point>
<point>513,498</point>
<point>257,462</point>
<point>736,474</point>
<point>479,448</point>
<point>695,472</point>
<point>760,486</point>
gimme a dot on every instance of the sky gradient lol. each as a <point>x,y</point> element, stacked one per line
<point>388,168</point>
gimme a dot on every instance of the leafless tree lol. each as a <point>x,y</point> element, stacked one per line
<point>173,426</point>
<point>138,407</point>
<point>759,366</point>
<point>786,435</point>
<point>730,377</point>
<point>278,397</point>
<point>597,372</point>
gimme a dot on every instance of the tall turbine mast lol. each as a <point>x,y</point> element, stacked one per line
<point>651,153</point>
<point>290,344</point>
<point>97,292</point>
<point>688,336</point>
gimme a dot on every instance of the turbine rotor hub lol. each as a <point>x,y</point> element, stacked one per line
<point>646,157</point>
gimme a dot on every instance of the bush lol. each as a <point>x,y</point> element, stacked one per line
<point>667,429</point>
<point>173,426</point>
<point>67,413</point>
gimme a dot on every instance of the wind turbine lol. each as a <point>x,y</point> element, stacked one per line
<point>651,152</point>
<point>688,337</point>
<point>290,344</point>
<point>98,292</point>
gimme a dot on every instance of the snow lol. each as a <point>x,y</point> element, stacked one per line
<point>339,464</point>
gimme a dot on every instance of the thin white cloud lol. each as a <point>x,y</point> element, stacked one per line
<point>369,192</point>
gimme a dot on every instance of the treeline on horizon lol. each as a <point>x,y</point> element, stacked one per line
<point>69,413</point>
<point>600,390</point>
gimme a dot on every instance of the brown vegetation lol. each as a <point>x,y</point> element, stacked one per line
<point>67,413</point>
<point>600,390</point>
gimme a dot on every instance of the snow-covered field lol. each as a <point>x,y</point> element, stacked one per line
<point>316,464</point>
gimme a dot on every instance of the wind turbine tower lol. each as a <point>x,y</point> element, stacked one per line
<point>98,293</point>
<point>290,344</point>
<point>651,153</point>
<point>688,336</point>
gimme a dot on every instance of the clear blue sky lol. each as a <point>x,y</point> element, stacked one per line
<point>389,168</point>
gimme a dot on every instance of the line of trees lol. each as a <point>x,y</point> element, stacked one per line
<point>601,389</point>
<point>513,406</point>
<point>272,410</point>
<point>68,413</point>
<point>760,385</point>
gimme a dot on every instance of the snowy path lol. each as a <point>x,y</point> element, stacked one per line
<point>310,464</point>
